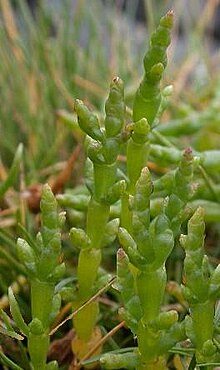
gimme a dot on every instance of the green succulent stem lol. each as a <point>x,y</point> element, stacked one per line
<point>38,346</point>
<point>202,317</point>
<point>98,214</point>
<point>200,290</point>
<point>90,258</point>
<point>104,178</point>
<point>85,320</point>
<point>147,245</point>
<point>103,149</point>
<point>151,284</point>
<point>138,148</point>
<point>137,156</point>
<point>41,262</point>
<point>88,264</point>
<point>148,96</point>
<point>41,301</point>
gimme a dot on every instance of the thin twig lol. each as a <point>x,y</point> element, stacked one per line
<point>99,344</point>
<point>92,299</point>
<point>208,182</point>
<point>89,86</point>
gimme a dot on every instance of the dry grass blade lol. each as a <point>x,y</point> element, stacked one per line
<point>207,15</point>
<point>58,183</point>
<point>3,173</point>
<point>103,340</point>
<point>33,193</point>
<point>62,314</point>
<point>99,344</point>
<point>89,86</point>
<point>92,299</point>
<point>183,74</point>
<point>59,83</point>
<point>11,28</point>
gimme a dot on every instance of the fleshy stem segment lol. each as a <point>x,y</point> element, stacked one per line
<point>103,147</point>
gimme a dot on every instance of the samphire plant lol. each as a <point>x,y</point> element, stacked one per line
<point>40,258</point>
<point>149,218</point>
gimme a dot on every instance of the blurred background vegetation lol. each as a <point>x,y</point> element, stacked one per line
<point>54,51</point>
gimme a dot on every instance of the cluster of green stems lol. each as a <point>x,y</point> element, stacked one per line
<point>146,236</point>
